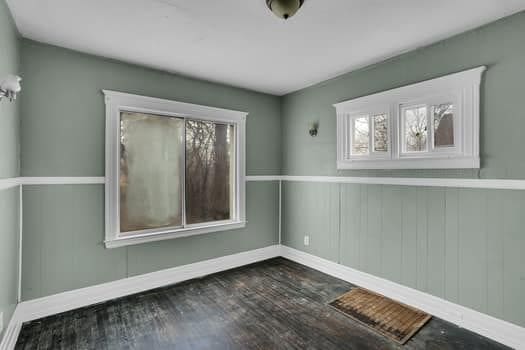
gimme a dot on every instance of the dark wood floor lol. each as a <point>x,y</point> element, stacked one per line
<point>276,304</point>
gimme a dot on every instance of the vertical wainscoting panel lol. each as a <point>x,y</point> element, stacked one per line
<point>421,238</point>
<point>364,225</point>
<point>462,245</point>
<point>373,237</point>
<point>495,252</point>
<point>64,233</point>
<point>352,225</point>
<point>63,240</point>
<point>312,209</point>
<point>436,241</point>
<point>452,244</point>
<point>392,233</point>
<point>473,249</point>
<point>513,274</point>
<point>409,237</point>
<point>9,220</point>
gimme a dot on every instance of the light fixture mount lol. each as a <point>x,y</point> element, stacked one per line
<point>10,86</point>
<point>284,8</point>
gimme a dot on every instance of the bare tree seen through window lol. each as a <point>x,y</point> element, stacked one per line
<point>170,166</point>
<point>380,133</point>
<point>443,115</point>
<point>209,153</point>
<point>416,129</point>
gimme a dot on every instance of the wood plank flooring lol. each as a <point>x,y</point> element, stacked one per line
<point>275,304</point>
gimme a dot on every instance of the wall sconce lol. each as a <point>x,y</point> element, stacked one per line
<point>10,86</point>
<point>314,129</point>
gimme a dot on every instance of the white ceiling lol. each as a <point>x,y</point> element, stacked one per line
<point>241,43</point>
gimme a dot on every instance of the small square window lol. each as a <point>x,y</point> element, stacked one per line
<point>380,133</point>
<point>443,123</point>
<point>360,135</point>
<point>415,129</point>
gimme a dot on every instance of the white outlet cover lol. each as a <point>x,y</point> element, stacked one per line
<point>1,322</point>
<point>306,240</point>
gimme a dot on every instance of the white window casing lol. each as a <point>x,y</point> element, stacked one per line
<point>461,90</point>
<point>117,102</point>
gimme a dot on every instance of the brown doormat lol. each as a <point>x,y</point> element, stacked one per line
<point>394,320</point>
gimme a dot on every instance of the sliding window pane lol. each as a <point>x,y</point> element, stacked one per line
<point>380,133</point>
<point>210,170</point>
<point>151,169</point>
<point>360,137</point>
<point>416,129</point>
<point>443,125</point>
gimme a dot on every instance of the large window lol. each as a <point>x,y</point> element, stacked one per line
<point>173,169</point>
<point>433,124</point>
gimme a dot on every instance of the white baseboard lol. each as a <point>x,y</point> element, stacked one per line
<point>11,335</point>
<point>501,331</point>
<point>57,303</point>
<point>488,326</point>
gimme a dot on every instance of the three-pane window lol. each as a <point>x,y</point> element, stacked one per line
<point>432,124</point>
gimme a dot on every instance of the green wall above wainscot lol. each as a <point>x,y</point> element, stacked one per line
<point>500,46</point>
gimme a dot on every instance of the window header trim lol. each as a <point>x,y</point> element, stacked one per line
<point>408,93</point>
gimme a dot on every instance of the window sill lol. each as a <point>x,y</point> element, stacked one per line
<point>412,163</point>
<point>172,234</point>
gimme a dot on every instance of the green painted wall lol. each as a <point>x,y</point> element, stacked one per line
<point>64,230</point>
<point>9,140</point>
<point>63,118</point>
<point>9,204</point>
<point>499,45</point>
<point>462,245</point>
<point>63,121</point>
<point>9,116</point>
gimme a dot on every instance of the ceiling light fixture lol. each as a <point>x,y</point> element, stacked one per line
<point>284,8</point>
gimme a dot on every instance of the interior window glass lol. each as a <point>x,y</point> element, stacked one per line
<point>360,135</point>
<point>416,129</point>
<point>209,171</point>
<point>443,121</point>
<point>151,168</point>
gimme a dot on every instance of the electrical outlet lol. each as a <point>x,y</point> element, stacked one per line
<point>1,322</point>
<point>306,240</point>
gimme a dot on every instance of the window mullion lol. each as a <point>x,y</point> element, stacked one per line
<point>371,135</point>
<point>430,140</point>
<point>183,191</point>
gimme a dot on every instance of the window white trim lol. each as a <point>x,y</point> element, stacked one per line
<point>461,89</point>
<point>118,101</point>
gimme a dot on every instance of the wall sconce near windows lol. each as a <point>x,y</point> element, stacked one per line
<point>314,129</point>
<point>10,86</point>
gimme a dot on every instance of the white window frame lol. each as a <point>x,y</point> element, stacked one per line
<point>119,101</point>
<point>372,154</point>
<point>431,151</point>
<point>461,89</point>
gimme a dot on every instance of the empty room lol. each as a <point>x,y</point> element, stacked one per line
<point>262,174</point>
